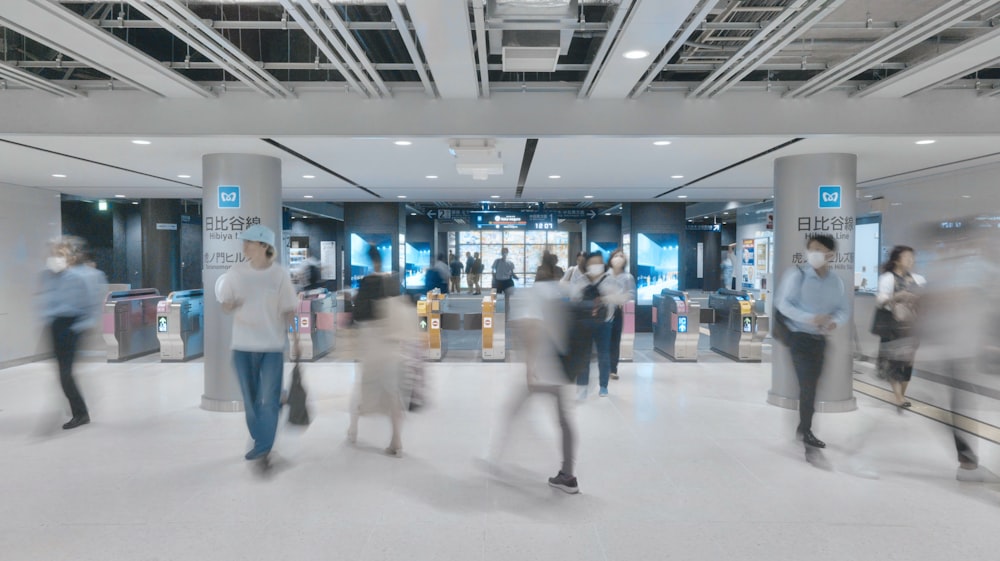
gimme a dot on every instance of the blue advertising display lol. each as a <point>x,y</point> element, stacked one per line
<point>418,258</point>
<point>361,265</point>
<point>657,265</point>
<point>604,248</point>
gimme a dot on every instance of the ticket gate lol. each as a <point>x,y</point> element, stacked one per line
<point>429,315</point>
<point>627,348</point>
<point>738,331</point>
<point>316,322</point>
<point>494,339</point>
<point>180,320</point>
<point>676,325</point>
<point>129,323</point>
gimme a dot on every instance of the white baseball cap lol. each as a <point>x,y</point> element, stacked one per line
<point>258,233</point>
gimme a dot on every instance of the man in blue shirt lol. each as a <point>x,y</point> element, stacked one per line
<point>813,299</point>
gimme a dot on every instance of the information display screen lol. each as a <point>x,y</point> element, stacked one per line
<point>418,259</point>
<point>361,265</point>
<point>657,264</point>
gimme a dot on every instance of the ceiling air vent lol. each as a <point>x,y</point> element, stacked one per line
<point>530,51</point>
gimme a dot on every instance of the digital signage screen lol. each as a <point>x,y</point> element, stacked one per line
<point>418,259</point>
<point>361,265</point>
<point>657,265</point>
<point>604,248</point>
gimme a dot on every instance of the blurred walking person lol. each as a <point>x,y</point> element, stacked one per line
<point>504,277</point>
<point>895,320</point>
<point>813,300</point>
<point>540,322</point>
<point>70,303</point>
<point>600,294</point>
<point>259,294</point>
<point>625,283</point>
<point>388,329</point>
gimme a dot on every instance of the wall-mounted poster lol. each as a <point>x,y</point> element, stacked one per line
<point>328,260</point>
<point>657,264</point>
<point>749,264</point>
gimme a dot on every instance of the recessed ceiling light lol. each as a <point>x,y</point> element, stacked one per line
<point>896,204</point>
<point>555,177</point>
<point>119,196</point>
<point>494,196</point>
<point>588,196</point>
<point>307,196</point>
<point>135,202</point>
<point>966,196</point>
<point>922,142</point>
<point>689,220</point>
<point>400,196</point>
<point>662,143</point>
<point>725,214</point>
<point>676,177</point>
<point>636,54</point>
<point>59,175</point>
<point>682,196</point>
<point>308,177</point>
<point>141,142</point>
<point>184,176</point>
<point>413,214</point>
<point>430,176</point>
<point>402,143</point>
<point>869,196</point>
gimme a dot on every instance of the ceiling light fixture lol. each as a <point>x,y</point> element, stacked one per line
<point>494,196</point>
<point>59,175</point>
<point>588,196</point>
<point>135,202</point>
<point>555,177</point>
<point>402,143</point>
<point>676,177</point>
<point>897,204</point>
<point>925,142</point>
<point>662,143</point>
<point>682,196</point>
<point>307,196</point>
<point>308,177</point>
<point>636,54</point>
<point>119,196</point>
<point>142,142</point>
<point>966,196</point>
<point>430,177</point>
<point>400,196</point>
<point>184,176</point>
<point>413,214</point>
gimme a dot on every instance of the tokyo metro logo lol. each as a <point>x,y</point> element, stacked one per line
<point>229,196</point>
<point>829,196</point>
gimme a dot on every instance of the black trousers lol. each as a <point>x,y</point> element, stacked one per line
<point>808,352</point>
<point>64,343</point>
<point>616,339</point>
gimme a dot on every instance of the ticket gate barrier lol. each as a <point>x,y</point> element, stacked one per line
<point>738,331</point>
<point>316,323</point>
<point>180,320</point>
<point>627,348</point>
<point>429,315</point>
<point>129,323</point>
<point>494,339</point>
<point>676,325</point>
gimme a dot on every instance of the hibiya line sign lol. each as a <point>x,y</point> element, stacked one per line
<point>224,228</point>
<point>838,226</point>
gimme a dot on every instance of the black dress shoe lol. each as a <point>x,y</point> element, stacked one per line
<point>810,440</point>
<point>76,422</point>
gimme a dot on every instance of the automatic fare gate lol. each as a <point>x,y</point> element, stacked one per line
<point>180,321</point>
<point>738,331</point>
<point>676,325</point>
<point>433,320</point>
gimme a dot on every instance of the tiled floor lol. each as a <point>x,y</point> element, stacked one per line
<point>683,461</point>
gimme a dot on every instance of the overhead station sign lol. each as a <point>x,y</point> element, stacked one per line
<point>500,220</point>
<point>537,218</point>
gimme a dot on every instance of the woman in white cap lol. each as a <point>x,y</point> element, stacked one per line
<point>259,294</point>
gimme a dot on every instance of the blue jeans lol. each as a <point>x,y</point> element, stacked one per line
<point>602,338</point>
<point>260,376</point>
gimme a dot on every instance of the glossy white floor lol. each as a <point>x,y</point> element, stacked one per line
<point>681,462</point>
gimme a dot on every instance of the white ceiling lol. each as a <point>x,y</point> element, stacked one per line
<point>612,169</point>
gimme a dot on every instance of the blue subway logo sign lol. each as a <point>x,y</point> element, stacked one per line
<point>229,196</point>
<point>829,196</point>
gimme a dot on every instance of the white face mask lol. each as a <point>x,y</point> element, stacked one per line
<point>816,259</point>
<point>595,270</point>
<point>56,264</point>
<point>618,262</point>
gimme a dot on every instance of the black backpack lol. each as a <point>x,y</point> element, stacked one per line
<point>780,331</point>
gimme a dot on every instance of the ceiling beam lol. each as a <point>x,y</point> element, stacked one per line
<point>411,47</point>
<point>693,24</point>
<point>66,32</point>
<point>446,39</point>
<point>334,16</point>
<point>650,26</point>
<point>617,20</point>
<point>964,59</point>
<point>35,81</point>
<point>483,62</point>
<point>937,20</point>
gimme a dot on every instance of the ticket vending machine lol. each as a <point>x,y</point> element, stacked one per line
<point>739,330</point>
<point>494,344</point>
<point>129,323</point>
<point>180,321</point>
<point>676,325</point>
<point>316,322</point>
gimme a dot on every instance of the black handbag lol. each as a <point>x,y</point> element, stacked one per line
<point>884,324</point>
<point>298,410</point>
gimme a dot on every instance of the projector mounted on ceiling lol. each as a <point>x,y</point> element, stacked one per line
<point>477,157</point>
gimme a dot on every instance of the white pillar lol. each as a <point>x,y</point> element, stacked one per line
<point>238,190</point>
<point>815,194</point>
